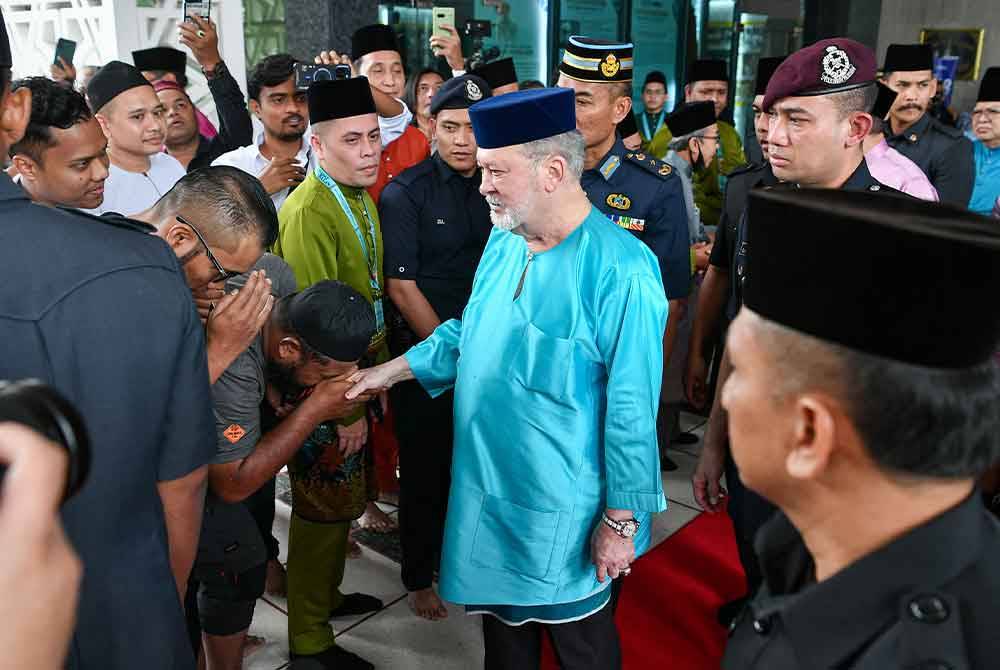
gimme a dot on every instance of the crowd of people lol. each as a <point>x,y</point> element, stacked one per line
<point>514,278</point>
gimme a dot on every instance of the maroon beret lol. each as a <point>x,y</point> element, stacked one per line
<point>828,66</point>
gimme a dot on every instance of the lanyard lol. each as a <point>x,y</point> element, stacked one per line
<point>368,247</point>
<point>659,124</point>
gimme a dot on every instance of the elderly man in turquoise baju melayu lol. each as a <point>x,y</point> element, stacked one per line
<point>556,365</point>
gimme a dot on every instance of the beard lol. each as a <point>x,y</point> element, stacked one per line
<point>511,219</point>
<point>285,379</point>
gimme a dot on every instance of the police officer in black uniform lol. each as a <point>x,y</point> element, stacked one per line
<point>802,153</point>
<point>863,403</point>
<point>744,506</point>
<point>100,310</point>
<point>636,191</point>
<point>942,152</point>
<point>435,225</point>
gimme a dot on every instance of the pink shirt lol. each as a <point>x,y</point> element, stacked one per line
<point>896,170</point>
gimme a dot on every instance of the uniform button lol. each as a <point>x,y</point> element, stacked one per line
<point>928,609</point>
<point>874,187</point>
<point>762,626</point>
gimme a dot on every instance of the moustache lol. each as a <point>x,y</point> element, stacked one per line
<point>914,107</point>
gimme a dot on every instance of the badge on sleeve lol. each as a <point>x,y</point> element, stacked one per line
<point>234,433</point>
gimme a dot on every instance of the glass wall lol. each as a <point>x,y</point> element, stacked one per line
<point>532,32</point>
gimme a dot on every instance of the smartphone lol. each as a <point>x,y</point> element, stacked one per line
<point>65,49</point>
<point>202,8</point>
<point>442,16</point>
<point>478,28</point>
<point>306,74</point>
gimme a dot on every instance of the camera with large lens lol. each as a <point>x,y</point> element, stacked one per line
<point>38,406</point>
<point>306,74</point>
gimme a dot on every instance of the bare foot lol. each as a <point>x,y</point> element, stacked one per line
<point>353,548</point>
<point>426,604</point>
<point>277,582</point>
<point>253,644</point>
<point>377,521</point>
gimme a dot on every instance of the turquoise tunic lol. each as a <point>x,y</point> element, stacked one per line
<point>556,395</point>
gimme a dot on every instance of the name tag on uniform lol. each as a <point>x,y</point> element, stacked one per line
<point>629,223</point>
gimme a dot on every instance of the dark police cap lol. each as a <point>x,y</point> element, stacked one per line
<point>916,288</point>
<point>5,57</point>
<point>497,73</point>
<point>460,93</point>
<point>708,69</point>
<point>883,102</point>
<point>828,66</point>
<point>587,59</point>
<point>111,81</point>
<point>908,58</point>
<point>339,99</point>
<point>166,59</point>
<point>765,70</point>
<point>989,88</point>
<point>319,315</point>
<point>524,116</point>
<point>691,117</point>
<point>371,38</point>
<point>655,77</point>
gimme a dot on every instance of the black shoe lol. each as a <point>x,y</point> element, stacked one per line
<point>685,439</point>
<point>667,464</point>
<point>334,658</point>
<point>355,604</point>
<point>729,611</point>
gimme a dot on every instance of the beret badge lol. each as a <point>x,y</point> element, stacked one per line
<point>473,92</point>
<point>837,66</point>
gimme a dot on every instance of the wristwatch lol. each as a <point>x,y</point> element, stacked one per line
<point>626,528</point>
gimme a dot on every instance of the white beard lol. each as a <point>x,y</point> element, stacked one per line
<point>508,221</point>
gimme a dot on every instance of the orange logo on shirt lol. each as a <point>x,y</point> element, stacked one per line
<point>234,433</point>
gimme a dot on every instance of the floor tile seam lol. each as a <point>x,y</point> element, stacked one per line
<point>367,617</point>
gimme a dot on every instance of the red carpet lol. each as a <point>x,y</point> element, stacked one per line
<point>666,616</point>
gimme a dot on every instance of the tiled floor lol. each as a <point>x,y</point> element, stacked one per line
<point>395,639</point>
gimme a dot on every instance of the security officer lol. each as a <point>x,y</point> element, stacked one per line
<point>803,154</point>
<point>863,403</point>
<point>942,152</point>
<point>435,225</point>
<point>633,189</point>
<point>100,311</point>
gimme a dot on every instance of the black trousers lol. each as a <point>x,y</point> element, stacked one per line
<point>261,506</point>
<point>425,430</point>
<point>587,644</point>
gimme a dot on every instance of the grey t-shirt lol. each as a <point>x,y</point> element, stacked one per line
<point>238,393</point>
<point>229,534</point>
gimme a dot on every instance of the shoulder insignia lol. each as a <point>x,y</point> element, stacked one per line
<point>610,166</point>
<point>619,201</point>
<point>651,165</point>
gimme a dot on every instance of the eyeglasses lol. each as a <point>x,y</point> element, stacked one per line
<point>714,138</point>
<point>224,274</point>
<point>986,111</point>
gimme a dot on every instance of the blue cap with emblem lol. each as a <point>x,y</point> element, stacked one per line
<point>460,93</point>
<point>524,116</point>
<point>586,59</point>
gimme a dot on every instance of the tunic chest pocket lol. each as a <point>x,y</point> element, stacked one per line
<point>543,363</point>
